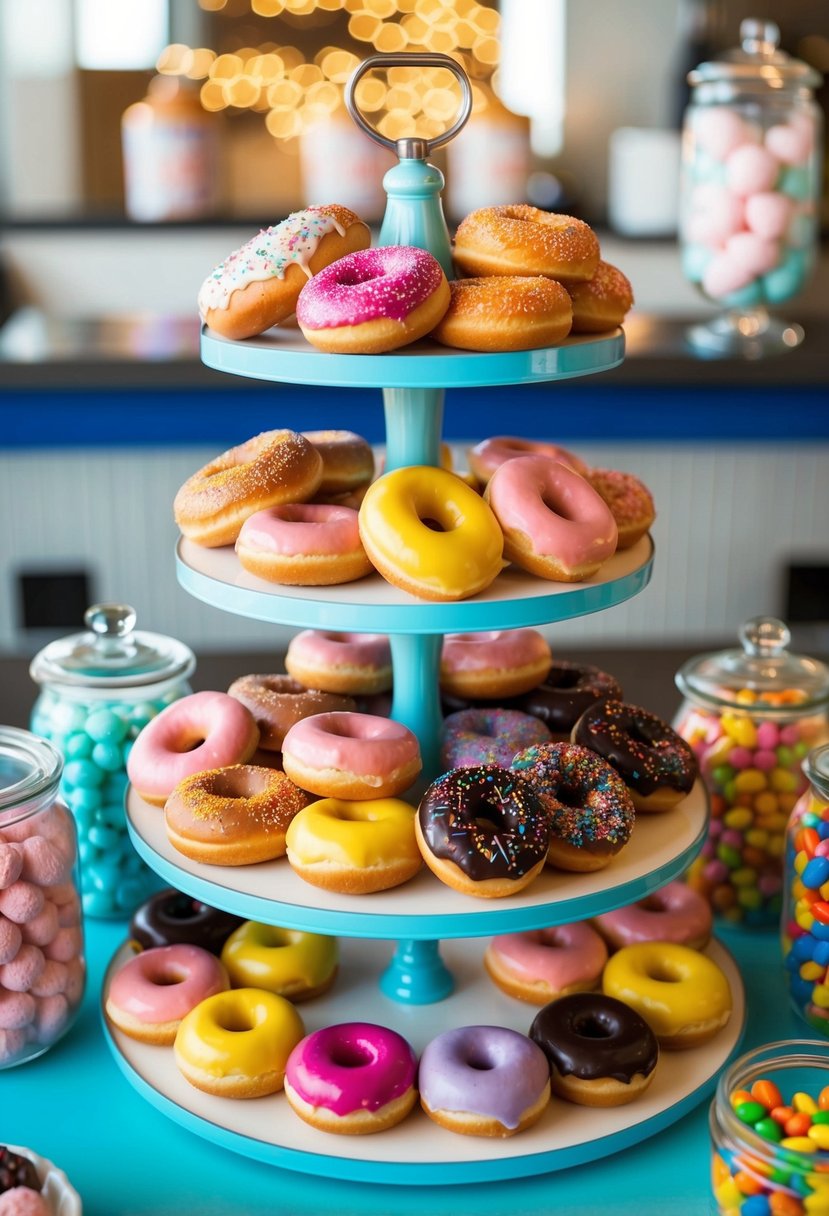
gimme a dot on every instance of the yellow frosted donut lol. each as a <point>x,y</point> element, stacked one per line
<point>285,961</point>
<point>429,533</point>
<point>236,1044</point>
<point>355,847</point>
<point>683,996</point>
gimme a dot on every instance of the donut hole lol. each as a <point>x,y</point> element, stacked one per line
<point>235,1021</point>
<point>190,744</point>
<point>354,276</point>
<point>434,525</point>
<point>637,734</point>
<point>663,973</point>
<point>653,903</point>
<point>557,506</point>
<point>352,1055</point>
<point>169,978</point>
<point>479,1062</point>
<point>592,1027</point>
<point>564,678</point>
<point>570,795</point>
<point>181,908</point>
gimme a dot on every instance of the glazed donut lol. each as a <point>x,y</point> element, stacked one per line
<point>154,990</point>
<point>351,756</point>
<point>429,533</point>
<point>353,1079</point>
<point>656,764</point>
<point>523,240</point>
<point>489,454</point>
<point>483,831</point>
<point>232,816</point>
<point>295,965</point>
<point>236,1044</point>
<point>354,847</point>
<point>629,500</point>
<point>258,285</point>
<point>683,996</point>
<point>545,964</point>
<point>354,663</point>
<point>602,302</point>
<point>373,301</point>
<point>569,689</point>
<point>493,663</point>
<point>675,913</point>
<point>272,468</point>
<point>473,737</point>
<point>555,524</point>
<point>484,1081</point>
<point>505,312</point>
<point>277,702</point>
<point>601,1052</point>
<point>347,461</point>
<point>170,918</point>
<point>590,812</point>
<point>303,545</point>
<point>203,731</point>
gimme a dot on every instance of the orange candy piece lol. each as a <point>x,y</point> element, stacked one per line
<point>823,1098</point>
<point>742,1095</point>
<point>798,1125</point>
<point>806,841</point>
<point>747,1184</point>
<point>782,1204</point>
<point>766,1092</point>
<point>782,1114</point>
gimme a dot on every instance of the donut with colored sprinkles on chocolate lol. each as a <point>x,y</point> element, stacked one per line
<point>483,831</point>
<point>590,810</point>
<point>655,763</point>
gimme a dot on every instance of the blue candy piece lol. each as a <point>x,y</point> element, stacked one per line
<point>706,169</point>
<point>755,1205</point>
<point>107,756</point>
<point>695,259</point>
<point>104,839</point>
<point>821,954</point>
<point>820,931</point>
<point>104,726</point>
<point>797,182</point>
<point>68,717</point>
<point>77,746</point>
<point>801,990</point>
<point>815,873</point>
<point>102,876</point>
<point>803,948</point>
<point>84,800</point>
<point>746,297</point>
<point>98,903</point>
<point>823,829</point>
<point>112,815</point>
<point>131,893</point>
<point>786,279</point>
<point>802,230</point>
<point>82,773</point>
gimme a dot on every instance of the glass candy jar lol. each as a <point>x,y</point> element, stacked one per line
<point>99,689</point>
<point>751,715</point>
<point>749,192</point>
<point>805,923</point>
<point>41,923</point>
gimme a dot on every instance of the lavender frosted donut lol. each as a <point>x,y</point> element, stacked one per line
<point>488,736</point>
<point>373,300</point>
<point>484,1081</point>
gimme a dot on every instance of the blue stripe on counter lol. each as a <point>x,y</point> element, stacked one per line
<point>565,411</point>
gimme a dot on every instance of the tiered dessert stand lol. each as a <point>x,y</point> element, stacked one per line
<point>421,993</point>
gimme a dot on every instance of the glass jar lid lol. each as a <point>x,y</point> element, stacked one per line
<point>762,674</point>
<point>816,769</point>
<point>757,63</point>
<point>29,767</point>
<point>112,654</point>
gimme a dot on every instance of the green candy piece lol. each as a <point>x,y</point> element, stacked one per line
<point>768,1129</point>
<point>820,1116</point>
<point>750,1112</point>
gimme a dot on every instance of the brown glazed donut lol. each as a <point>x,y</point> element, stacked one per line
<point>277,702</point>
<point>347,462</point>
<point>602,302</point>
<point>171,918</point>
<point>568,690</point>
<point>505,312</point>
<point>525,240</point>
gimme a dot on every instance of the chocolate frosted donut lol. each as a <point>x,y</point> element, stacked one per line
<point>601,1052</point>
<point>569,690</point>
<point>277,702</point>
<point>655,763</point>
<point>482,830</point>
<point>171,918</point>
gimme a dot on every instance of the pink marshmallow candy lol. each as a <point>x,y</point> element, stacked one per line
<point>723,275</point>
<point>42,863</point>
<point>753,252</point>
<point>22,902</point>
<point>769,214</point>
<point>65,946</point>
<point>50,1017</point>
<point>43,929</point>
<point>716,214</point>
<point>17,1010</point>
<point>11,864</point>
<point>720,130</point>
<point>75,981</point>
<point>24,970</point>
<point>791,143</point>
<point>768,736</point>
<point>11,939</point>
<point>23,1201</point>
<point>751,170</point>
<point>52,981</point>
<point>12,1043</point>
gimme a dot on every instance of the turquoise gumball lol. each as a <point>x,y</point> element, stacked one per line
<point>78,746</point>
<point>801,231</point>
<point>107,756</point>
<point>797,182</point>
<point>104,726</point>
<point>84,798</point>
<point>746,297</point>
<point>82,773</point>
<point>695,259</point>
<point>706,169</point>
<point>104,838</point>
<point>786,279</point>
<point>68,717</point>
<point>98,903</point>
<point>112,815</point>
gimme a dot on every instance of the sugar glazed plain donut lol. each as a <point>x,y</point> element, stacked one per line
<point>526,241</point>
<point>505,312</point>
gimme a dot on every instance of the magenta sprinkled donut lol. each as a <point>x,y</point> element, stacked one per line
<point>488,736</point>
<point>590,810</point>
<point>374,300</point>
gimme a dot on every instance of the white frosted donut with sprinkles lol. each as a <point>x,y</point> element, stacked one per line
<point>257,286</point>
<point>373,301</point>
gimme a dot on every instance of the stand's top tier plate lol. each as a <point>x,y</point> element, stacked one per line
<point>283,354</point>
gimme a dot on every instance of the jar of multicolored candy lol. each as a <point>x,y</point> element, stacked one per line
<point>751,715</point>
<point>750,187</point>
<point>100,689</point>
<point>770,1132</point>
<point>805,923</point>
<point>42,968</point>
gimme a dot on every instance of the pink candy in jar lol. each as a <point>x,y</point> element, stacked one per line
<point>42,968</point>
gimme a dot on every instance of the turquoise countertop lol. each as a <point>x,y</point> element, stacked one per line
<point>125,1158</point>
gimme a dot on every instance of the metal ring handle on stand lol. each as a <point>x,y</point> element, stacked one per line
<point>413,148</point>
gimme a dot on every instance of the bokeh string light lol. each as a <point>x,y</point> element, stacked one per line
<point>294,94</point>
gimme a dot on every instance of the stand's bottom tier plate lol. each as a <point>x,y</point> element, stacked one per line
<point>418,1151</point>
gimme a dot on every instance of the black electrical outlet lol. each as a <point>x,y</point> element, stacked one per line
<point>55,599</point>
<point>807,593</point>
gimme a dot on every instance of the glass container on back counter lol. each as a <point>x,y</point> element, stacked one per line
<point>805,923</point>
<point>99,689</point>
<point>751,715</point>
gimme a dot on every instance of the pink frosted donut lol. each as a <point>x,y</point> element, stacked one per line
<point>152,992</point>
<point>204,731</point>
<point>544,964</point>
<point>352,663</point>
<point>555,524</point>
<point>493,663</point>
<point>489,454</point>
<point>473,737</point>
<point>675,914</point>
<point>373,300</point>
<point>23,1201</point>
<point>351,756</point>
<point>303,544</point>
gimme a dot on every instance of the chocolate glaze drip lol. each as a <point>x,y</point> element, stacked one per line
<point>645,752</point>
<point>487,820</point>
<point>171,918</point>
<point>589,1035</point>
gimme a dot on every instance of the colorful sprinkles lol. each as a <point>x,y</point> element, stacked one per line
<point>585,798</point>
<point>645,752</point>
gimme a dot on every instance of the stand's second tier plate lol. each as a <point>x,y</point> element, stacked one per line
<point>659,850</point>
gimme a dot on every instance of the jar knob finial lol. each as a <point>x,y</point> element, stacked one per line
<point>111,623</point>
<point>764,635</point>
<point>759,37</point>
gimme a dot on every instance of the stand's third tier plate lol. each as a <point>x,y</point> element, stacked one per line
<point>659,850</point>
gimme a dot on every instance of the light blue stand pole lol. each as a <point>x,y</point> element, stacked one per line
<point>414,212</point>
<point>414,417</point>
<point>417,974</point>
<point>416,703</point>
